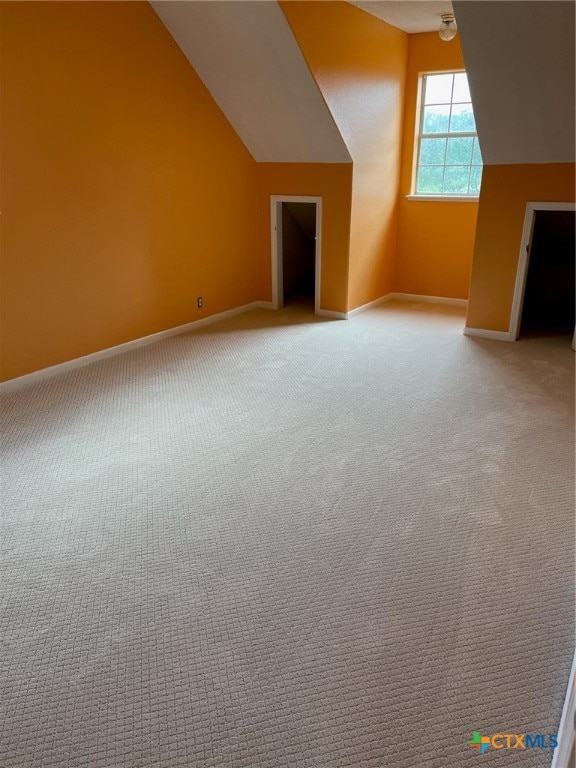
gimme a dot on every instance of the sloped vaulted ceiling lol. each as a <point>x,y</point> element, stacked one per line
<point>246,55</point>
<point>520,62</point>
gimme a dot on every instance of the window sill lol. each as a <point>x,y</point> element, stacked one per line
<point>445,198</point>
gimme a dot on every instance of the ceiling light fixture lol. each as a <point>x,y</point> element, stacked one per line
<point>447,29</point>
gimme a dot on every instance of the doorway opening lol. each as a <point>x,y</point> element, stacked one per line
<point>544,297</point>
<point>296,251</point>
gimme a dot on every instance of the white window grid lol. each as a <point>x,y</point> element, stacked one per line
<point>441,135</point>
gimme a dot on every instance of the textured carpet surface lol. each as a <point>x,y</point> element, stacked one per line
<point>278,542</point>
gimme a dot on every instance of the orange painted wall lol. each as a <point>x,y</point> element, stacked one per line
<point>126,193</point>
<point>334,184</point>
<point>359,63</point>
<point>430,261</point>
<point>505,191</point>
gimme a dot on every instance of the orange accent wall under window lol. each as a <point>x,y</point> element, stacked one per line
<point>505,191</point>
<point>359,63</point>
<point>126,193</point>
<point>435,238</point>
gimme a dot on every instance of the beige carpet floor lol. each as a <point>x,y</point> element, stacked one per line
<point>280,541</point>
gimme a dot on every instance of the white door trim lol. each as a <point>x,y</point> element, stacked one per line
<point>524,259</point>
<point>566,737</point>
<point>276,243</point>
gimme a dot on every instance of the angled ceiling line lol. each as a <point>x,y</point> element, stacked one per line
<point>248,58</point>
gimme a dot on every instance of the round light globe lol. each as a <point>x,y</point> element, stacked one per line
<point>447,31</point>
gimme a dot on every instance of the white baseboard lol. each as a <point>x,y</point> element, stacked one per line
<point>416,297</point>
<point>330,313</point>
<point>54,370</point>
<point>485,334</point>
<point>427,299</point>
<point>566,739</point>
<point>370,305</point>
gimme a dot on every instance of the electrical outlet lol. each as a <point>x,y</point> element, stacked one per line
<point>199,302</point>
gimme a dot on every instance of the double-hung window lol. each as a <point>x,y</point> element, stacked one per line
<point>449,162</point>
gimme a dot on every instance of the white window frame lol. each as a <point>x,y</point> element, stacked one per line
<point>418,136</point>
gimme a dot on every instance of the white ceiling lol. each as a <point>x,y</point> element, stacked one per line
<point>520,61</point>
<point>409,15</point>
<point>247,57</point>
<point>519,57</point>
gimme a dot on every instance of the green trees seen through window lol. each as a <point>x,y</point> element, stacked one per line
<point>449,158</point>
